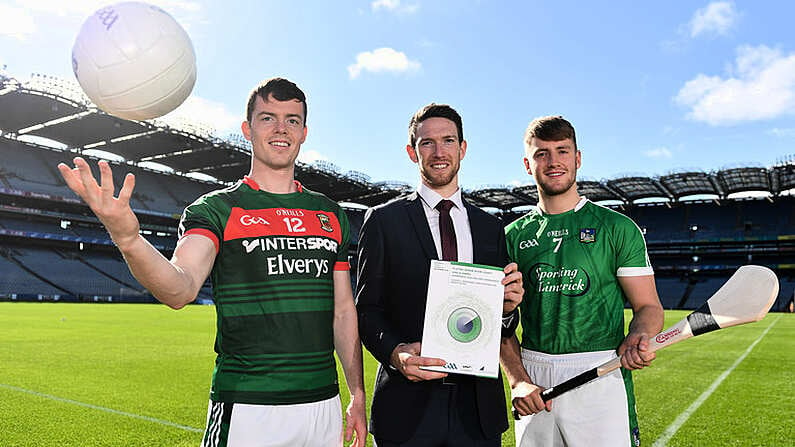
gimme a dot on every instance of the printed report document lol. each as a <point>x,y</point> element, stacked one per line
<point>463,318</point>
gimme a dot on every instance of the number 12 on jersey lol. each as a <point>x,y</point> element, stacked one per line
<point>294,225</point>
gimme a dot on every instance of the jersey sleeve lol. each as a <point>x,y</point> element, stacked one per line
<point>199,218</point>
<point>342,253</point>
<point>632,258</point>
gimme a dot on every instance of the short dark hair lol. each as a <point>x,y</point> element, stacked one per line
<point>281,89</point>
<point>434,110</point>
<point>550,128</point>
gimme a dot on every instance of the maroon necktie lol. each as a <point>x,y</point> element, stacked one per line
<point>447,231</point>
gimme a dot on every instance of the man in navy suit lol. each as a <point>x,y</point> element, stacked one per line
<point>412,406</point>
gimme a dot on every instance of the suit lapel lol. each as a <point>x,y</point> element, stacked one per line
<point>475,225</point>
<point>420,223</point>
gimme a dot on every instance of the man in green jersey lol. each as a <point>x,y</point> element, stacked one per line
<point>277,255</point>
<point>581,262</point>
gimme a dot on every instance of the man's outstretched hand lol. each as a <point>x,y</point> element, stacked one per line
<point>115,213</point>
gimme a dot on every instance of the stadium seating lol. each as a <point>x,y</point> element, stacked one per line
<point>694,245</point>
<point>702,290</point>
<point>113,266</point>
<point>671,291</point>
<point>22,224</point>
<point>17,283</point>
<point>70,275</point>
<point>356,219</point>
<point>33,169</point>
<point>786,294</point>
<point>93,273</point>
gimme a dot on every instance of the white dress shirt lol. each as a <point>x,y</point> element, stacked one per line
<point>458,213</point>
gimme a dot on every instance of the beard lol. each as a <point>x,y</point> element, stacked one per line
<point>554,189</point>
<point>442,178</point>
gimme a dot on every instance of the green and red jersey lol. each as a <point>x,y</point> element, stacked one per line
<point>570,263</point>
<point>274,291</point>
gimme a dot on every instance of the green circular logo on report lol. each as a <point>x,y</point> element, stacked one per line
<point>464,325</point>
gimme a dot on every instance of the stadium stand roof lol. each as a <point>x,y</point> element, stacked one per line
<point>597,191</point>
<point>497,197</point>
<point>634,188</point>
<point>783,176</point>
<point>57,110</point>
<point>527,191</point>
<point>690,183</point>
<point>744,179</point>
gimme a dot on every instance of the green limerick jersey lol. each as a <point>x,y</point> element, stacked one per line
<point>570,262</point>
<point>274,291</point>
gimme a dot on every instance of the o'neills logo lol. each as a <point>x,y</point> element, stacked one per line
<point>567,281</point>
<point>665,336</point>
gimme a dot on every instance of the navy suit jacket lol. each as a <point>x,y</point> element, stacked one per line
<point>395,251</point>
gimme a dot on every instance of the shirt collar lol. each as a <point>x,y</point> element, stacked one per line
<point>255,186</point>
<point>581,203</point>
<point>432,198</point>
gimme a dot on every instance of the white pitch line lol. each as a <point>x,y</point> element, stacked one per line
<point>669,432</point>
<point>105,409</point>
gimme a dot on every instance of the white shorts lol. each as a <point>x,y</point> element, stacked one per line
<point>314,424</point>
<point>595,414</point>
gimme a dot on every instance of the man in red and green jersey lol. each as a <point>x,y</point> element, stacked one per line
<point>580,262</point>
<point>274,291</point>
<point>277,256</point>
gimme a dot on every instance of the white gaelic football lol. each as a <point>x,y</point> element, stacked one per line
<point>134,61</point>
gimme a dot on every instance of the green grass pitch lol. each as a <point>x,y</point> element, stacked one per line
<point>138,375</point>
